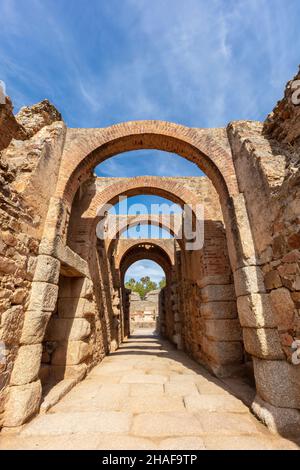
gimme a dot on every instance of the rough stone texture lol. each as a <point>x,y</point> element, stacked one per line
<point>285,421</point>
<point>271,379</point>
<point>255,311</point>
<point>263,343</point>
<point>71,329</point>
<point>72,353</point>
<point>283,123</point>
<point>35,117</point>
<point>23,402</point>
<point>27,364</point>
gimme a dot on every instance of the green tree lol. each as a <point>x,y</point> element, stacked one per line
<point>162,283</point>
<point>142,287</point>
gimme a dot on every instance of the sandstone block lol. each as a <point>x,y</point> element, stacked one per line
<point>23,402</point>
<point>219,310</point>
<point>43,296</point>
<point>223,352</point>
<point>283,307</point>
<point>72,353</point>
<point>248,280</point>
<point>255,311</point>
<point>34,326</point>
<point>47,269</point>
<point>76,287</point>
<point>75,308</point>
<point>62,329</point>
<point>27,364</point>
<point>263,343</point>
<point>272,280</point>
<point>223,330</point>
<point>218,293</point>
<point>77,372</point>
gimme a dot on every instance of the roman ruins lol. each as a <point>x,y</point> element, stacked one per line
<point>235,302</point>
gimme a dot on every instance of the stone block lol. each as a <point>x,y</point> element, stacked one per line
<point>283,308</point>
<point>76,287</point>
<point>166,424</point>
<point>43,296</point>
<point>263,343</point>
<point>23,402</point>
<point>248,280</point>
<point>47,269</point>
<point>71,353</point>
<point>27,364</point>
<point>210,403</point>
<point>284,421</point>
<point>219,310</point>
<point>218,293</point>
<point>75,308</point>
<point>63,329</point>
<point>272,280</point>
<point>277,382</point>
<point>223,352</point>
<point>255,311</point>
<point>34,326</point>
<point>77,372</point>
<point>223,330</point>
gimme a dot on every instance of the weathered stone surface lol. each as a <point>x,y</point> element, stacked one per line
<point>73,288</point>
<point>277,382</point>
<point>75,308</point>
<point>223,330</point>
<point>27,364</point>
<point>255,311</point>
<point>71,353</point>
<point>248,280</point>
<point>219,310</point>
<point>218,293</point>
<point>272,280</point>
<point>223,352</point>
<point>35,117</point>
<point>283,308</point>
<point>43,296</point>
<point>263,343</point>
<point>47,269</point>
<point>35,324</point>
<point>284,421</point>
<point>61,329</point>
<point>23,402</point>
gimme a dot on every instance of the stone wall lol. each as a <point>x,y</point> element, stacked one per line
<point>26,157</point>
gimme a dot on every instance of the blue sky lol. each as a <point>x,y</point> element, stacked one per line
<point>145,268</point>
<point>196,62</point>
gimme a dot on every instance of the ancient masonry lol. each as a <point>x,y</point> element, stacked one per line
<point>63,305</point>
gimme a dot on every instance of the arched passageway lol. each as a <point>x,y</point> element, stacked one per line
<point>218,290</point>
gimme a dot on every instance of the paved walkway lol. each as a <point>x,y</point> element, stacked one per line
<point>146,396</point>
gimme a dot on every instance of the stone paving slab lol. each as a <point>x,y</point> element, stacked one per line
<point>79,423</point>
<point>166,424</point>
<point>147,396</point>
<point>153,403</point>
<point>196,402</point>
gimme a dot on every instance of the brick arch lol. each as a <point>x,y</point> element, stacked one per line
<point>149,185</point>
<point>85,148</point>
<point>142,220</point>
<point>146,250</point>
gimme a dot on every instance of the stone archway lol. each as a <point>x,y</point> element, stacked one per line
<point>83,149</point>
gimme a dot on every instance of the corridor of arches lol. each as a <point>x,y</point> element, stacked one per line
<point>209,357</point>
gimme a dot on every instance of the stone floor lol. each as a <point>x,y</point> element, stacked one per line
<point>147,395</point>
